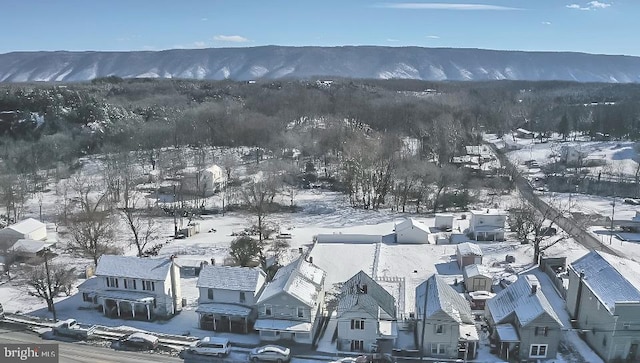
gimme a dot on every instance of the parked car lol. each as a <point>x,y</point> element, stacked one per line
<point>346,360</point>
<point>211,346</point>
<point>272,353</point>
<point>140,341</point>
<point>376,358</point>
<point>71,328</point>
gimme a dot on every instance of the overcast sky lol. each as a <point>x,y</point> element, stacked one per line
<point>606,27</point>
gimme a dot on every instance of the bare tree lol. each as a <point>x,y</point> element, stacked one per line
<point>259,193</point>
<point>534,224</point>
<point>91,224</point>
<point>47,285</point>
<point>143,228</point>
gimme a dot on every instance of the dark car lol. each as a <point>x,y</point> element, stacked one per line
<point>375,358</point>
<point>140,341</point>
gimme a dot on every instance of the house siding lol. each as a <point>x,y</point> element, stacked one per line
<point>450,335</point>
<point>345,334</point>
<point>478,283</point>
<point>528,335</point>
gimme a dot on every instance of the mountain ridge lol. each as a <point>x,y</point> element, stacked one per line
<point>274,62</point>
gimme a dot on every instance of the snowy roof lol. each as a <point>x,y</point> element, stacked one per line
<point>609,277</point>
<point>277,324</point>
<point>223,309</point>
<point>476,270</point>
<point>489,211</point>
<point>375,297</point>
<point>27,226</point>
<point>469,249</point>
<point>442,298</point>
<point>507,333</point>
<point>519,299</point>
<point>89,285</point>
<point>133,267</point>
<point>30,246</point>
<point>230,278</point>
<point>134,296</point>
<point>411,223</point>
<point>300,279</point>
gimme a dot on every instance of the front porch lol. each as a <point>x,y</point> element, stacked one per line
<point>220,317</point>
<point>505,342</point>
<point>127,305</point>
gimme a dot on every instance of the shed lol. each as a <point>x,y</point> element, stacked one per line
<point>26,229</point>
<point>468,253</point>
<point>412,231</point>
<point>477,278</point>
<point>28,248</point>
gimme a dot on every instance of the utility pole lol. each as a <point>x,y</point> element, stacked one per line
<point>175,221</point>
<point>613,213</point>
<point>46,252</point>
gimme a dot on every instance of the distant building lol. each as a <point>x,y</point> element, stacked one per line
<point>603,301</point>
<point>412,231</point>
<point>629,225</point>
<point>477,278</point>
<point>29,229</point>
<point>525,134</point>
<point>468,253</point>
<point>28,249</point>
<point>203,182</point>
<point>444,221</point>
<point>487,224</point>
<point>570,155</point>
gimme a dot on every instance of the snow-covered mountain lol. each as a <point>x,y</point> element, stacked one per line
<point>272,62</point>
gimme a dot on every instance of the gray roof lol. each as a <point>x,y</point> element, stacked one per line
<point>299,279</point>
<point>27,226</point>
<point>30,246</point>
<point>610,278</point>
<point>476,270</point>
<point>442,298</point>
<point>230,278</point>
<point>519,300</point>
<point>133,267</point>
<point>376,297</point>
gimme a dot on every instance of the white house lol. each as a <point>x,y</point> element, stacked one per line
<point>228,296</point>
<point>468,253</point>
<point>444,221</point>
<point>487,224</point>
<point>477,278</point>
<point>570,155</point>
<point>412,231</point>
<point>290,304</point>
<point>366,316</point>
<point>135,288</point>
<point>203,182</point>
<point>26,229</point>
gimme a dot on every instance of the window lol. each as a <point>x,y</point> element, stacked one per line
<point>155,304</point>
<point>129,284</point>
<point>541,331</point>
<point>210,294</point>
<point>538,351</point>
<point>438,349</point>
<point>604,341</point>
<point>267,310</point>
<point>148,285</point>
<point>357,345</point>
<point>439,329</point>
<point>112,282</point>
<point>87,297</point>
<point>300,312</point>
<point>243,298</point>
<point>626,326</point>
<point>357,324</point>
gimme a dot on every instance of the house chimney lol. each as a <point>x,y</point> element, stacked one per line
<point>310,259</point>
<point>300,250</point>
<point>174,284</point>
<point>534,289</point>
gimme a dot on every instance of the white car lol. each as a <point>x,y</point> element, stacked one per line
<point>211,346</point>
<point>271,353</point>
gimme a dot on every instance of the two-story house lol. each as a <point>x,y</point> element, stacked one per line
<point>487,224</point>
<point>227,297</point>
<point>604,304</point>
<point>134,288</point>
<point>366,316</point>
<point>290,304</point>
<point>445,324</point>
<point>522,322</point>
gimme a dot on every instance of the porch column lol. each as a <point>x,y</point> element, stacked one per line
<point>118,307</point>
<point>246,325</point>
<point>229,324</point>
<point>133,310</point>
<point>213,316</point>
<point>199,320</point>
<point>148,312</point>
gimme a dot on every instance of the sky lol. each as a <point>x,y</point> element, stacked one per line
<point>602,26</point>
